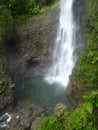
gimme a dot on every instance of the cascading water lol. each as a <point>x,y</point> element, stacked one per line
<point>63,61</point>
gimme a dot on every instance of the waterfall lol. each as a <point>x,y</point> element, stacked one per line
<point>63,61</point>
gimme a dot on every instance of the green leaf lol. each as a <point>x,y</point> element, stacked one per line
<point>96,102</point>
<point>86,98</point>
<point>89,107</point>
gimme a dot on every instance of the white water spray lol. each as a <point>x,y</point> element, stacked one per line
<point>4,120</point>
<point>63,55</point>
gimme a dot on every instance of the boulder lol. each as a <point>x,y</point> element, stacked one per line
<point>59,109</point>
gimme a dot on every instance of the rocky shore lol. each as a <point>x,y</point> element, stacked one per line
<point>29,118</point>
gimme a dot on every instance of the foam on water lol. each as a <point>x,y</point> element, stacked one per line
<point>6,119</point>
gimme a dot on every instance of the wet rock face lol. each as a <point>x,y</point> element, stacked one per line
<point>74,89</point>
<point>6,100</point>
<point>34,47</point>
<point>78,37</point>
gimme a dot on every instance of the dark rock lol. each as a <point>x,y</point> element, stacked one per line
<point>6,101</point>
<point>74,89</point>
<point>1,82</point>
<point>35,46</point>
<point>32,63</point>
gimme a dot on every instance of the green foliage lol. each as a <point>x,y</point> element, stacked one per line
<point>5,89</point>
<point>50,123</point>
<point>6,25</point>
<point>25,7</point>
<point>83,118</point>
<point>80,119</point>
<point>87,66</point>
<point>91,100</point>
<point>32,7</point>
<point>54,5</point>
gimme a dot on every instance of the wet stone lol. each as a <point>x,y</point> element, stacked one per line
<point>35,123</point>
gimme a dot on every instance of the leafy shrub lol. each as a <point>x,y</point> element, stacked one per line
<point>32,7</point>
<point>80,119</point>
<point>50,123</point>
<point>91,100</point>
